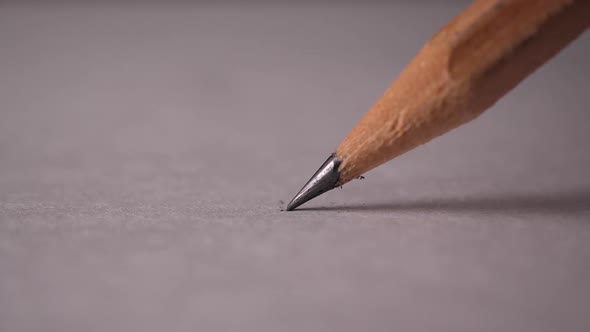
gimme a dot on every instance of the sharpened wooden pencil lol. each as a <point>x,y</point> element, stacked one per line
<point>463,70</point>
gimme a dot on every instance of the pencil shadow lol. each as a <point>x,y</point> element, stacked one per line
<point>565,203</point>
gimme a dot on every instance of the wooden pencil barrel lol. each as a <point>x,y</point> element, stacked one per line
<point>463,70</point>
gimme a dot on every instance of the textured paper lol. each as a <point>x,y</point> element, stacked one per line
<point>144,152</point>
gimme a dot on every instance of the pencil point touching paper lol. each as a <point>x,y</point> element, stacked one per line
<point>325,179</point>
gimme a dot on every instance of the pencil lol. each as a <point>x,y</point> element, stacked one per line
<point>460,72</point>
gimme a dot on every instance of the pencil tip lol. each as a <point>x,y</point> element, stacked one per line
<point>325,179</point>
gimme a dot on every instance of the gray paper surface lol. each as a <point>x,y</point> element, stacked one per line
<point>144,152</point>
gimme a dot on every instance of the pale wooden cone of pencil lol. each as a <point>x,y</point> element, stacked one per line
<point>463,70</point>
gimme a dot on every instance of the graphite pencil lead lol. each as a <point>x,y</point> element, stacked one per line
<point>325,179</point>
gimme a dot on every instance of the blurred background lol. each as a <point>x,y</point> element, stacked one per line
<point>146,149</point>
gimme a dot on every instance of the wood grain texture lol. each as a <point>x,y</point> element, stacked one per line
<point>463,70</point>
